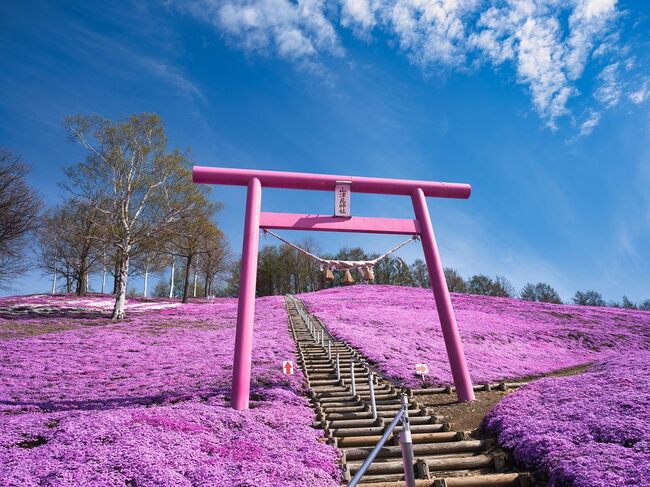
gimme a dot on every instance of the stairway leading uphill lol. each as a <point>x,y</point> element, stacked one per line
<point>443,457</point>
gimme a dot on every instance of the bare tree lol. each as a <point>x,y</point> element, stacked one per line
<point>70,239</point>
<point>421,273</point>
<point>128,167</point>
<point>455,282</point>
<point>191,232</point>
<point>19,207</point>
<point>214,260</point>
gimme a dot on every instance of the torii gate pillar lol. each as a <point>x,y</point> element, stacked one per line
<point>254,220</point>
<point>241,379</point>
<point>454,346</point>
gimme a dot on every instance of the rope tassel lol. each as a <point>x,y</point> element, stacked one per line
<point>329,275</point>
<point>347,277</point>
<point>368,273</point>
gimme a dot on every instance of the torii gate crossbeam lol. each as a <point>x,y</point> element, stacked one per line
<point>255,219</point>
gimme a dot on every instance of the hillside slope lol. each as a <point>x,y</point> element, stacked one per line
<point>504,338</point>
<point>88,401</point>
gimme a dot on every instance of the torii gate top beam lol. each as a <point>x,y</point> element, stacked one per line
<point>327,182</point>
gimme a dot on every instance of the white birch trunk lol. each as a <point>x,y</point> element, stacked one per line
<point>171,280</point>
<point>104,278</point>
<point>120,301</point>
<point>146,279</point>
<point>54,281</point>
<point>195,278</point>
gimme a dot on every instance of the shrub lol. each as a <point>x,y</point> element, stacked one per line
<point>455,282</point>
<point>588,298</point>
<point>483,285</point>
<point>541,292</point>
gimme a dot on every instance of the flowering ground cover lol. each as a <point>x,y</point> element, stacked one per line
<point>397,327</point>
<point>86,401</point>
<point>587,430</point>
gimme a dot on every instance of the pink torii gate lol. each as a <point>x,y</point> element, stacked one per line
<point>255,220</point>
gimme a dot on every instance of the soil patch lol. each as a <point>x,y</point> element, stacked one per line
<point>467,416</point>
<point>463,416</point>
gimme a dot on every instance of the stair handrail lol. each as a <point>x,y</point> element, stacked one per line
<point>407,453</point>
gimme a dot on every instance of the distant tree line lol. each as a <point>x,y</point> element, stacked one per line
<point>282,269</point>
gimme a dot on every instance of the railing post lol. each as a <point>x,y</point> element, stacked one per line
<point>338,368</point>
<point>371,387</point>
<point>329,349</point>
<point>353,381</point>
<point>322,337</point>
<point>406,444</point>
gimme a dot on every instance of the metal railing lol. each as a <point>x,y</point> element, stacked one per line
<point>405,442</point>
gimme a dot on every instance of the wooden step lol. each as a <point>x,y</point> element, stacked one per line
<point>450,463</point>
<point>485,480</point>
<point>419,450</point>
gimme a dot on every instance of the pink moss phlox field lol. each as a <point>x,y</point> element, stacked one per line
<point>397,327</point>
<point>587,430</point>
<point>88,401</point>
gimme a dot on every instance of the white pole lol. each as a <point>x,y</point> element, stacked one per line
<point>146,280</point>
<point>54,279</point>
<point>171,285</point>
<point>352,379</point>
<point>195,278</point>
<point>329,349</point>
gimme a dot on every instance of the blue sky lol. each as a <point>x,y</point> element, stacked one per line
<point>542,108</point>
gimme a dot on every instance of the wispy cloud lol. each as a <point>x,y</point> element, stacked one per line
<point>173,76</point>
<point>590,123</point>
<point>293,30</point>
<point>548,43</point>
<point>610,90</point>
<point>642,94</point>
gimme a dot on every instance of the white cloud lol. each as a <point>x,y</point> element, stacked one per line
<point>175,77</point>
<point>548,58</point>
<point>610,89</point>
<point>294,30</point>
<point>548,42</point>
<point>588,125</point>
<point>643,93</point>
<point>586,24</point>
<point>359,13</point>
<point>430,31</point>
